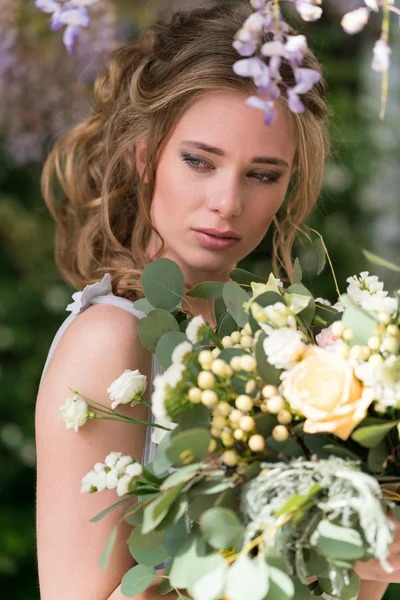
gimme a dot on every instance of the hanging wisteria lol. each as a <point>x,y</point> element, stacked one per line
<point>268,18</point>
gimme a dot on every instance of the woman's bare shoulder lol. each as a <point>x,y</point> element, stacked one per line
<point>95,350</point>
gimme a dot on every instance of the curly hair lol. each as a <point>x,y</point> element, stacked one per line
<point>90,181</point>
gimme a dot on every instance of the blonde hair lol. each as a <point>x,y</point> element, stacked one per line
<point>103,215</point>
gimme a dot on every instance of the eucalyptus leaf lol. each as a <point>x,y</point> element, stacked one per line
<point>105,556</point>
<point>177,510</point>
<point>243,277</point>
<point>213,486</point>
<point>107,510</point>
<point>373,435</point>
<point>297,275</point>
<point>348,593</point>
<point>136,580</point>
<point>182,475</point>
<point>234,297</point>
<point>248,578</point>
<point>321,254</point>
<point>166,345</point>
<point>281,586</point>
<point>195,416</point>
<point>210,586</point>
<point>187,559</point>
<point>226,326</point>
<point>381,261</point>
<point>157,510</point>
<point>143,305</point>
<point>153,327</point>
<point>289,447</point>
<point>165,587</point>
<point>221,528</point>
<point>335,541</point>
<point>376,457</point>
<point>200,504</point>
<point>175,537</point>
<point>220,310</point>
<point>148,541</point>
<point>207,289</point>
<point>268,373</point>
<point>149,558</point>
<point>359,320</point>
<point>161,462</point>
<point>163,284</point>
<point>189,446</point>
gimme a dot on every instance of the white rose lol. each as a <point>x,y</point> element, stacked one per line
<point>75,412</point>
<point>284,347</point>
<point>126,388</point>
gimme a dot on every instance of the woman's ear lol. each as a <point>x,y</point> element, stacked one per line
<point>141,154</point>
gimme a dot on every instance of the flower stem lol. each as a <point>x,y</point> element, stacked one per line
<point>215,339</point>
<point>329,260</point>
<point>385,74</point>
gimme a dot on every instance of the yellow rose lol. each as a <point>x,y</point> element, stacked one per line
<point>324,389</point>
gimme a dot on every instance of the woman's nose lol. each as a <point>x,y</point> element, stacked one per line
<point>226,199</point>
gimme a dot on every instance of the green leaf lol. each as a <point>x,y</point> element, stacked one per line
<point>221,528</point>
<point>107,510</point>
<point>265,423</point>
<point>297,272</point>
<point>248,579</point>
<point>373,435</point>
<point>187,561</point>
<point>298,500</point>
<point>136,580</point>
<point>207,289</point>
<point>200,504</point>
<point>188,447</point>
<point>359,320</point>
<point>381,261</point>
<point>234,297</point>
<point>153,327</point>
<point>177,510</point>
<point>161,462</point>
<point>143,305</point>
<point>210,586</point>
<point>226,325</point>
<point>108,548</point>
<point>157,510</point>
<point>376,457</point>
<point>166,345</point>
<point>149,558</point>
<point>348,593</point>
<point>175,537</point>
<point>308,313</point>
<point>220,310</point>
<point>321,255</point>
<point>163,284</point>
<point>281,586</point>
<point>195,416</point>
<point>182,475</point>
<point>243,277</point>
<point>289,447</point>
<point>301,590</point>
<point>268,373</point>
<point>165,587</point>
<point>335,541</point>
<point>342,451</point>
<point>212,486</point>
<point>148,541</point>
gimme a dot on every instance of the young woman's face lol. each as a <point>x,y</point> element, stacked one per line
<point>221,171</point>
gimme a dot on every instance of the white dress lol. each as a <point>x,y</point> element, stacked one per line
<point>99,293</point>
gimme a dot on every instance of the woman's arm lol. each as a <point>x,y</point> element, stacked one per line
<point>372,590</point>
<point>94,351</point>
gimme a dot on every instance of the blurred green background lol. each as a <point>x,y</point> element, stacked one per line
<point>43,92</point>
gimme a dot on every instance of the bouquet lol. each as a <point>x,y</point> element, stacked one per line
<point>279,453</point>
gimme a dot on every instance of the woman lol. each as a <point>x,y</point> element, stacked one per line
<point>170,161</point>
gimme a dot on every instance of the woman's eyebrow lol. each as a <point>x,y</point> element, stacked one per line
<point>266,160</point>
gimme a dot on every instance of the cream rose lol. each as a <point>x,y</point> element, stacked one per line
<point>324,389</point>
<point>75,412</point>
<point>125,389</point>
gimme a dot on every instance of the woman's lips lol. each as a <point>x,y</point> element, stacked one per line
<point>215,243</point>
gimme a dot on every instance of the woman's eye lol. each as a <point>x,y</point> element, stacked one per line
<point>259,178</point>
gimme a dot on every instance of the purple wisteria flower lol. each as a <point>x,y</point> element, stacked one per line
<point>70,13</point>
<point>282,46</point>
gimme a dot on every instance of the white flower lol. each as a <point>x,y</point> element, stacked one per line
<point>180,352</point>
<point>158,434</point>
<point>307,10</point>
<point>280,315</point>
<point>112,458</point>
<point>327,340</point>
<point>75,412</point>
<point>134,470</point>
<point>384,380</point>
<point>123,485</point>
<point>283,347</point>
<point>127,387</point>
<point>193,329</point>
<point>111,479</point>
<point>372,4</point>
<point>367,291</point>
<point>381,60</point>
<point>94,481</point>
<point>82,299</point>
<point>323,301</point>
<point>355,20</point>
<point>122,463</point>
